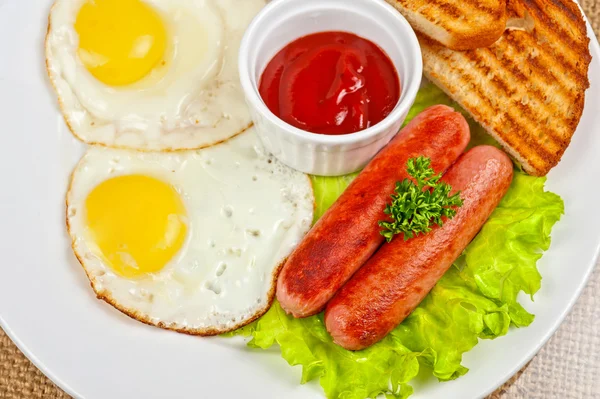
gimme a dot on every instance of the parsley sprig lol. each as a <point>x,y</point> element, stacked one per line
<point>415,208</point>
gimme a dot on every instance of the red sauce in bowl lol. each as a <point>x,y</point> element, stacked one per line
<point>331,83</point>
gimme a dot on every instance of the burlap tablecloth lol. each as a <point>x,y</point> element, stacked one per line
<point>567,367</point>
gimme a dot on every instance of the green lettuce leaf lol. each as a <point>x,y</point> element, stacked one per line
<point>327,189</point>
<point>523,220</point>
<point>343,374</point>
<point>476,299</point>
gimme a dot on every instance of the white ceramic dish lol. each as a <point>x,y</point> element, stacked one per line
<point>92,351</point>
<point>283,21</point>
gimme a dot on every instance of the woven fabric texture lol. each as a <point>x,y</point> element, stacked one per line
<point>568,367</point>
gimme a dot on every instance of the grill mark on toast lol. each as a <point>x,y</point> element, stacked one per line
<point>493,12</point>
<point>558,38</point>
<point>507,129</point>
<point>450,9</point>
<point>452,14</point>
<point>466,81</point>
<point>522,155</point>
<point>457,24</point>
<point>513,50</point>
<point>567,11</point>
<point>545,63</point>
<point>524,112</point>
<point>556,97</point>
<point>518,114</point>
<point>530,89</point>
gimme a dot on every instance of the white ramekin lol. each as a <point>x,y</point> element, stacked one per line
<point>283,21</point>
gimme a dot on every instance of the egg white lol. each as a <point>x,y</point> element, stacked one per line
<point>197,102</point>
<point>246,212</point>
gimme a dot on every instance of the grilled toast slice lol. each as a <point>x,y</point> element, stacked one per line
<point>527,89</point>
<point>456,24</point>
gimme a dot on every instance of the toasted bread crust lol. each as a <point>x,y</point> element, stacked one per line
<point>528,88</point>
<point>458,25</point>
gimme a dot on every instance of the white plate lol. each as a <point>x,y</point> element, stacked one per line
<point>93,351</point>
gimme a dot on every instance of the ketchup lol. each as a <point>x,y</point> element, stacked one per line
<point>330,83</point>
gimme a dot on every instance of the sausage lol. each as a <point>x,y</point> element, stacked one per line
<point>399,276</point>
<point>348,234</point>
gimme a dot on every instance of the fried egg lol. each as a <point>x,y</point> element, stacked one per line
<point>189,241</point>
<point>149,74</point>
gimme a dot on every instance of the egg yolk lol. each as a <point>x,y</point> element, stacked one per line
<point>137,223</point>
<point>120,41</point>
